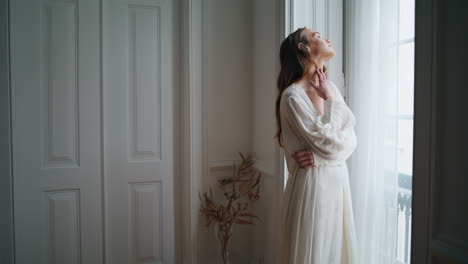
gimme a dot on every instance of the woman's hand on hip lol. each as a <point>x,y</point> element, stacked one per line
<point>305,158</point>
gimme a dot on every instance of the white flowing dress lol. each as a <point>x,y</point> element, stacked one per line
<point>317,224</point>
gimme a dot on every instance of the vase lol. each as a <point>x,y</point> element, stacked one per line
<point>223,234</point>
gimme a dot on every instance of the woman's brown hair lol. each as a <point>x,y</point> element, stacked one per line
<point>294,63</point>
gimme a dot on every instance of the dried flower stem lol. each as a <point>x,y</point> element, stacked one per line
<point>245,183</point>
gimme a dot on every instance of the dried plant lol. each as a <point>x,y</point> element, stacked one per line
<point>242,188</point>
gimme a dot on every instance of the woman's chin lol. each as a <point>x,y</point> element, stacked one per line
<point>330,55</point>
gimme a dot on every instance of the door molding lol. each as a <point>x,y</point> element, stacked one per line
<point>192,143</point>
<point>6,179</point>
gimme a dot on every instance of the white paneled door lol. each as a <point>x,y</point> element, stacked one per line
<point>139,56</point>
<point>93,140</point>
<point>55,79</point>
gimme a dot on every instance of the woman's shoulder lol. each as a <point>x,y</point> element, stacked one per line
<point>290,91</point>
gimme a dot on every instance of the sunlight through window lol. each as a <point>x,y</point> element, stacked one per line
<point>405,127</point>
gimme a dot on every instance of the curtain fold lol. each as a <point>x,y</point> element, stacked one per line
<point>372,81</point>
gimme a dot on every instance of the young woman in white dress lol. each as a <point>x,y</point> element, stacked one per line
<point>316,130</point>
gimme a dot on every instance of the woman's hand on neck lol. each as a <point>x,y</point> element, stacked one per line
<point>312,76</point>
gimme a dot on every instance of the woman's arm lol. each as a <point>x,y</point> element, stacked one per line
<point>330,136</point>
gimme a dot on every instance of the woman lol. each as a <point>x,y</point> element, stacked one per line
<point>316,130</point>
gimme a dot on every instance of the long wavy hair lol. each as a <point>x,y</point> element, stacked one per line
<point>295,63</point>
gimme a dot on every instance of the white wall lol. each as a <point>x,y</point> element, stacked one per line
<point>227,85</point>
<point>265,42</point>
<point>228,79</point>
<point>239,95</point>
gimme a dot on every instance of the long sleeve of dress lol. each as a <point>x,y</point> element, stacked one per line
<point>330,136</point>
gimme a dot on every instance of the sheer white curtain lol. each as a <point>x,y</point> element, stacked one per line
<point>372,81</point>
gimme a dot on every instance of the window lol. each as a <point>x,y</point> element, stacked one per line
<point>405,126</point>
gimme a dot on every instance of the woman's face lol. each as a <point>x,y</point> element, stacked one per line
<point>319,47</point>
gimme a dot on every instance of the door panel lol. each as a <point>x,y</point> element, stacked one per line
<point>56,131</point>
<point>65,178</point>
<point>138,113</point>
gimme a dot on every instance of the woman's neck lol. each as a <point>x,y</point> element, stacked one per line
<point>311,78</point>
